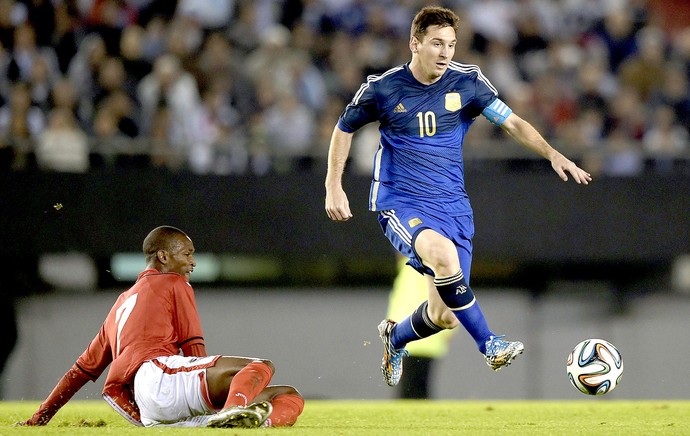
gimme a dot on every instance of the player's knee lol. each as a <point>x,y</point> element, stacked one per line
<point>446,324</point>
<point>443,318</point>
<point>267,363</point>
<point>273,391</point>
<point>288,390</point>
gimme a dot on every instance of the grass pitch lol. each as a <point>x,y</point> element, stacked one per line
<point>401,418</point>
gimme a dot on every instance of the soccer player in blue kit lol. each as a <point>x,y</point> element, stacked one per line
<point>425,108</point>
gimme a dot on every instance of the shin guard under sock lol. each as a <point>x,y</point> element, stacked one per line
<point>248,383</point>
<point>416,326</point>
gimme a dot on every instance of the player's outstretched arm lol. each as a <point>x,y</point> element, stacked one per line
<point>69,384</point>
<point>337,204</point>
<point>526,135</point>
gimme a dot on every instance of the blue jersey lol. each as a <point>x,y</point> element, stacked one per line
<point>419,161</point>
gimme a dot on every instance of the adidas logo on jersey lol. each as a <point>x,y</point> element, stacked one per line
<point>399,109</point>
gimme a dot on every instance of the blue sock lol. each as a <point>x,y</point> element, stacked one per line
<point>458,296</point>
<point>474,322</point>
<point>414,327</point>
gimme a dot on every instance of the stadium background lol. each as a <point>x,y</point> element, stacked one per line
<point>93,155</point>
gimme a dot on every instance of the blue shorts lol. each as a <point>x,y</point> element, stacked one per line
<point>401,227</point>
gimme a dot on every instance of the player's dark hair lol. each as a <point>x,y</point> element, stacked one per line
<point>433,16</point>
<point>160,238</point>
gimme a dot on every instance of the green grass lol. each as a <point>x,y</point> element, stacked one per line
<point>589,416</point>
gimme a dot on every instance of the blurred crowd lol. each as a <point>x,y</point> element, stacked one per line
<point>256,86</point>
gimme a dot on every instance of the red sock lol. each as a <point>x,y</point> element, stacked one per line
<point>248,383</point>
<point>286,409</point>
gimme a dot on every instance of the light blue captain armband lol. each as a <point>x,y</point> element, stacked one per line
<point>497,112</point>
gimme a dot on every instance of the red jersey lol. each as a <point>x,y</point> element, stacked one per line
<point>156,317</point>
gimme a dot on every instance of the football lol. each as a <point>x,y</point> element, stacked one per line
<point>594,367</point>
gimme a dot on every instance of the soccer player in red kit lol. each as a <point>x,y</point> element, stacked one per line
<point>160,374</point>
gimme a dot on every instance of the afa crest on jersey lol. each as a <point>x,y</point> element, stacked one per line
<point>414,222</point>
<point>453,101</point>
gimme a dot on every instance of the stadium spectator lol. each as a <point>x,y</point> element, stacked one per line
<point>580,120</point>
<point>171,84</point>
<point>244,31</point>
<point>376,49</point>
<point>621,157</point>
<point>83,72</point>
<point>425,107</point>
<point>627,112</point>
<point>594,86</point>
<point>499,58</point>
<point>184,37</point>
<point>84,66</point>
<point>41,83</point>
<point>288,126</point>
<point>681,49</point>
<point>308,83</point>
<point>21,122</point>
<point>584,134</point>
<point>617,34</point>
<point>125,110</point>
<point>164,152</point>
<point>11,14</point>
<point>494,20</point>
<point>25,55</point>
<point>343,76</point>
<point>219,66</point>
<point>674,91</point>
<point>132,53</point>
<point>161,375</point>
<point>114,128</point>
<point>108,18</point>
<point>63,146</point>
<point>154,44</point>
<point>110,77</point>
<point>107,137</point>
<point>268,64</point>
<point>68,34</point>
<point>643,69</point>
<point>531,43</point>
<point>665,140</point>
<point>218,146</point>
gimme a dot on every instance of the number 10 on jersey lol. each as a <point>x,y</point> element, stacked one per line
<point>427,123</point>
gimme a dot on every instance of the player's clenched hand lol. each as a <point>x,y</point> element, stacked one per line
<point>563,165</point>
<point>337,205</point>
